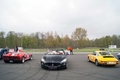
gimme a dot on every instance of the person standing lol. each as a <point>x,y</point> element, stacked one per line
<point>71,50</point>
<point>16,48</point>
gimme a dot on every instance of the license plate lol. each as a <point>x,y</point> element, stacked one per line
<point>53,67</point>
<point>11,60</point>
<point>110,62</point>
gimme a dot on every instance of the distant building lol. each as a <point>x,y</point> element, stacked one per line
<point>112,46</point>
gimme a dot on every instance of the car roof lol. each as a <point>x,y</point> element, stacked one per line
<point>103,53</point>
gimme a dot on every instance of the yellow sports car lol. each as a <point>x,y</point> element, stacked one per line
<point>102,57</point>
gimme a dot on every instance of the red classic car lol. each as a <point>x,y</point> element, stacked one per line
<point>18,56</point>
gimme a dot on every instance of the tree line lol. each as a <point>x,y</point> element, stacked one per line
<point>78,39</point>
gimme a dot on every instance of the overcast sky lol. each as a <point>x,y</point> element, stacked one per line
<point>98,17</point>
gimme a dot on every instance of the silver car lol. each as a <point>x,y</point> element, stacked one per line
<point>118,55</point>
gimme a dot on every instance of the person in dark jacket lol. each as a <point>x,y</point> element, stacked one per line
<point>71,50</point>
<point>16,48</point>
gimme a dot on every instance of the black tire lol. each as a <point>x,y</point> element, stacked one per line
<point>0,56</point>
<point>96,63</point>
<point>31,57</point>
<point>14,61</point>
<point>6,61</point>
<point>89,60</point>
<point>42,66</point>
<point>23,60</point>
<point>66,67</point>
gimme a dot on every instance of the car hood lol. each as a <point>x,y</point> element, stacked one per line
<point>54,58</point>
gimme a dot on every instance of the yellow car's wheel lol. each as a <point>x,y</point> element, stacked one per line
<point>88,59</point>
<point>96,63</point>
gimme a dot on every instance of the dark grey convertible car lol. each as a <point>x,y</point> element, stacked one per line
<point>54,60</point>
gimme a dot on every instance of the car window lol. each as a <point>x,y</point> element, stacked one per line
<point>104,53</point>
<point>94,53</point>
<point>97,54</point>
<point>55,53</point>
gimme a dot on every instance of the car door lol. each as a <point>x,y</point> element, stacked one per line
<point>96,55</point>
<point>27,56</point>
<point>93,56</point>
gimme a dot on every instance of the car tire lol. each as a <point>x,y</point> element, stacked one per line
<point>31,57</point>
<point>0,56</point>
<point>88,59</point>
<point>66,67</point>
<point>42,66</point>
<point>23,60</point>
<point>13,61</point>
<point>6,61</point>
<point>96,63</point>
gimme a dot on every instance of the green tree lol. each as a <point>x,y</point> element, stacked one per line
<point>11,39</point>
<point>2,39</point>
<point>66,41</point>
<point>107,41</point>
<point>49,40</point>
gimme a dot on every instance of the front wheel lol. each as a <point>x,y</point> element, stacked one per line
<point>88,59</point>
<point>23,60</point>
<point>0,56</point>
<point>31,57</point>
<point>66,66</point>
<point>96,63</point>
<point>42,66</point>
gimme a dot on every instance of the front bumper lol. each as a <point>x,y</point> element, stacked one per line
<point>53,65</point>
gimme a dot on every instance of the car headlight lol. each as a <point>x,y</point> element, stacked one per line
<point>42,60</point>
<point>64,60</point>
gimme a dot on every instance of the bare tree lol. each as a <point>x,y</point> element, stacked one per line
<point>79,36</point>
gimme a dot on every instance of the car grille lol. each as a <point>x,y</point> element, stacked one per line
<point>52,64</point>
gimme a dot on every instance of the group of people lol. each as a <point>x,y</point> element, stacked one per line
<point>15,49</point>
<point>69,48</point>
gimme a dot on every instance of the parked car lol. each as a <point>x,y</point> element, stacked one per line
<point>18,56</point>
<point>102,57</point>
<point>54,60</point>
<point>118,55</point>
<point>3,51</point>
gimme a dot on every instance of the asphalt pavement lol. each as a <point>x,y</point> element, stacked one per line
<point>78,69</point>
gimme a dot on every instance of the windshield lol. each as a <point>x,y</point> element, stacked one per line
<point>104,53</point>
<point>55,53</point>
